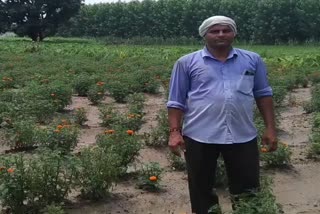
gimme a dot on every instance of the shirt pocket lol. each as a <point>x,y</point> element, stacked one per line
<point>245,84</point>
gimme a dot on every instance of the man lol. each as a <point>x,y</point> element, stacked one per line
<point>212,91</point>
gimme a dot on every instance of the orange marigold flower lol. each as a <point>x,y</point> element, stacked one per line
<point>130,132</point>
<point>110,131</point>
<point>100,83</point>
<point>59,126</point>
<point>10,170</point>
<point>263,149</point>
<point>153,178</point>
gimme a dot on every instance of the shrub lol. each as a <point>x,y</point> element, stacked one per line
<point>80,116</point>
<point>314,150</point>
<point>82,84</point>
<point>124,143</point>
<point>62,136</point>
<point>314,77</point>
<point>159,136</point>
<point>41,110</point>
<point>30,183</point>
<point>119,91</point>
<point>96,94</point>
<point>150,177</point>
<point>60,94</point>
<point>132,121</point>
<point>109,116</point>
<point>147,83</point>
<point>112,118</point>
<point>98,171</point>
<point>315,100</point>
<point>260,202</point>
<point>136,103</point>
<point>176,162</point>
<point>21,134</point>
<point>279,158</point>
<point>308,107</point>
<point>7,82</point>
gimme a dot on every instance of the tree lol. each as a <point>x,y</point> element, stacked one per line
<point>38,18</point>
<point>3,18</point>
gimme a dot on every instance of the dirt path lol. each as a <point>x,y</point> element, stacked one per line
<point>298,190</point>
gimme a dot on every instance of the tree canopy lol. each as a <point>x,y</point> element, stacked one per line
<point>36,18</point>
<point>258,21</point>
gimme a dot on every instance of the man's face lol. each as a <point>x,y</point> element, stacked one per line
<point>219,36</point>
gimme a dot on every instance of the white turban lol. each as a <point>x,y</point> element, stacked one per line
<point>215,20</point>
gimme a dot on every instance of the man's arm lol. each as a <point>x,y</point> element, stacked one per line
<point>265,106</point>
<point>175,116</point>
<point>179,86</point>
<point>176,141</point>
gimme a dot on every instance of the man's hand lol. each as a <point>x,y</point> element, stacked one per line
<point>176,143</point>
<point>269,139</point>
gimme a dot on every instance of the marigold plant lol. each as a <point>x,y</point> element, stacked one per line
<point>150,176</point>
<point>125,146</point>
<point>279,158</point>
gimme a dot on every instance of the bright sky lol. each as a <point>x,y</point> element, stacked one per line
<point>102,1</point>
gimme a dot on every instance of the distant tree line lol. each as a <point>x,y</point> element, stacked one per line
<point>259,21</point>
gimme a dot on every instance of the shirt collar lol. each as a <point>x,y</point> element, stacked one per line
<point>205,53</point>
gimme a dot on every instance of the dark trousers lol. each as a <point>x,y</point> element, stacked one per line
<point>242,167</point>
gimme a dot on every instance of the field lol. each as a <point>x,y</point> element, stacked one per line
<point>83,130</point>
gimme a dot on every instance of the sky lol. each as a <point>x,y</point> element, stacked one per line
<point>102,1</point>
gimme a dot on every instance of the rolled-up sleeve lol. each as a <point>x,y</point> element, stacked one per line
<point>261,84</point>
<point>178,87</point>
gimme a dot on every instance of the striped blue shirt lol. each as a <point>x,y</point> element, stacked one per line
<point>217,98</point>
